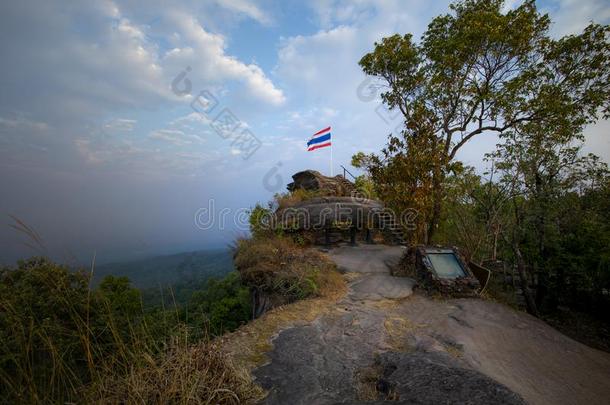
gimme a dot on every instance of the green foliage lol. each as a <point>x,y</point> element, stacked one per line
<point>366,187</point>
<point>61,341</point>
<point>260,221</point>
<point>475,215</point>
<point>543,169</point>
<point>223,305</point>
<point>43,312</point>
<point>580,266</point>
<point>120,296</point>
<point>478,70</point>
<point>57,334</point>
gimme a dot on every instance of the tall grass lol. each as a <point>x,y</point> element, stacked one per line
<point>62,342</point>
<point>279,266</point>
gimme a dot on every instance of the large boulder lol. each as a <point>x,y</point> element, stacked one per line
<point>321,212</point>
<point>312,180</point>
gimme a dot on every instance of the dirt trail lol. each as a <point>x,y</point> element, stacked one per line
<point>382,342</point>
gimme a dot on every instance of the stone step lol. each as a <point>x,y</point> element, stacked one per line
<point>389,224</point>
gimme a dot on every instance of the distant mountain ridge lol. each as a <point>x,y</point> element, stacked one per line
<point>167,270</point>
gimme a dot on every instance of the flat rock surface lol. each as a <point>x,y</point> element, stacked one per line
<point>380,345</point>
<point>518,350</point>
<point>365,258</point>
<point>433,378</point>
<point>381,286</point>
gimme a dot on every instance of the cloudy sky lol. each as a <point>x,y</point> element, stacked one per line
<point>124,124</point>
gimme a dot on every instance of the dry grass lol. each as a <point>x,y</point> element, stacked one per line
<point>248,345</point>
<point>290,199</point>
<point>278,266</point>
<point>397,329</point>
<point>60,345</point>
<point>366,383</point>
<point>454,351</point>
<point>218,372</point>
<point>369,386</point>
<point>182,374</point>
<point>389,304</point>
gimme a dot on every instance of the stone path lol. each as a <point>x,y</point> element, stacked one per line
<point>372,263</point>
<point>366,258</point>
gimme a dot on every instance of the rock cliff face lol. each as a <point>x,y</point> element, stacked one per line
<point>312,180</point>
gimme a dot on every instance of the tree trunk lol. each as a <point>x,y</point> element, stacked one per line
<point>494,252</point>
<point>437,197</point>
<point>530,302</point>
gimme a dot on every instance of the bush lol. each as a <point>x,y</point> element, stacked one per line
<point>62,342</point>
<point>224,305</point>
<point>292,198</point>
<point>278,266</point>
<point>260,225</point>
<point>45,343</point>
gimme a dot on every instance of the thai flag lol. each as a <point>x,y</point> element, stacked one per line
<point>319,140</point>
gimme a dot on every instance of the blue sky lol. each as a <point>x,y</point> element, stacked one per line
<point>99,153</point>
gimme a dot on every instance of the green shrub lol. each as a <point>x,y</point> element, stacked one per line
<point>222,306</point>
<point>259,221</point>
<point>62,342</point>
<point>45,343</point>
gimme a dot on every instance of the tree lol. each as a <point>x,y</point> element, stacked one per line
<point>120,297</point>
<point>56,333</point>
<point>542,166</point>
<point>477,71</point>
<point>260,221</point>
<point>475,214</point>
<point>223,305</point>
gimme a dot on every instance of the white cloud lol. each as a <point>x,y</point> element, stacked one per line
<point>597,140</point>
<point>572,16</point>
<point>325,56</point>
<point>205,53</point>
<point>90,59</point>
<point>248,8</point>
<point>320,73</point>
<point>191,119</point>
<point>97,152</point>
<point>19,122</point>
<point>321,70</point>
<point>120,124</point>
<point>174,136</point>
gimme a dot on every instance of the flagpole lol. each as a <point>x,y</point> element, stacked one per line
<point>331,159</point>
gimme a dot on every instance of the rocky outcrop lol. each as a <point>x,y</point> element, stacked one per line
<point>320,212</point>
<point>312,180</point>
<point>435,378</point>
<point>332,210</point>
<point>367,352</point>
<point>332,213</point>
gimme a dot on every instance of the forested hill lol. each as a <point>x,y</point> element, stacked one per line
<point>181,268</point>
